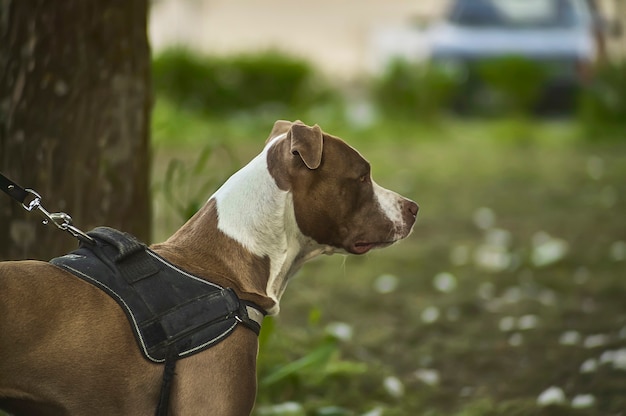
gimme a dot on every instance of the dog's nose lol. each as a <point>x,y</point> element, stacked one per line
<point>410,209</point>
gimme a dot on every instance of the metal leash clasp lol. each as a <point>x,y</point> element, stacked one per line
<point>60,219</point>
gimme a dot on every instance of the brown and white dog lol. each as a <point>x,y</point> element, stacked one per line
<point>66,347</point>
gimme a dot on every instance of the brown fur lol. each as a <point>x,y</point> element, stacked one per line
<point>66,348</point>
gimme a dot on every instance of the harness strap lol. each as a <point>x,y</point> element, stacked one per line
<point>166,385</point>
<point>251,316</point>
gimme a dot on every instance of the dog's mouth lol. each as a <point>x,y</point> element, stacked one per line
<point>362,247</point>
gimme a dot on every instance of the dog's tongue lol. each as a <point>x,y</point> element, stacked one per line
<point>362,248</point>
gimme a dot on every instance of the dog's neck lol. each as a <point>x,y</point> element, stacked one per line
<point>245,237</point>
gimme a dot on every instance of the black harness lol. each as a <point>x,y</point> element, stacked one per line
<point>173,314</point>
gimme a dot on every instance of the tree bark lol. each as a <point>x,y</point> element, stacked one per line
<point>74,118</point>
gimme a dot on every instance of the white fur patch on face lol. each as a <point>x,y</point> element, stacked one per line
<point>390,205</point>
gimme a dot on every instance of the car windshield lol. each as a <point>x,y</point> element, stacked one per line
<point>519,13</point>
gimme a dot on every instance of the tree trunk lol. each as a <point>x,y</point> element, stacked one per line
<point>74,118</point>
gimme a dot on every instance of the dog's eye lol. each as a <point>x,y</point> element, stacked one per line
<point>364,178</point>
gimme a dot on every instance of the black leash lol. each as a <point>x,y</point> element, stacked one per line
<point>12,189</point>
<point>31,200</point>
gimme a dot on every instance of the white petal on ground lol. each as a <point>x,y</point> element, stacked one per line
<point>607,357</point>
<point>340,330</point>
<point>570,338</point>
<point>547,250</point>
<point>527,322</point>
<point>393,386</point>
<point>550,396</point>
<point>619,362</point>
<point>430,314</point>
<point>283,409</point>
<point>428,376</point>
<point>492,258</point>
<point>507,323</point>
<point>445,282</point>
<point>617,358</point>
<point>596,340</point>
<point>377,411</point>
<point>589,366</point>
<point>386,283</point>
<point>583,401</point>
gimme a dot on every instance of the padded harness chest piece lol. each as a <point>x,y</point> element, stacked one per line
<point>168,308</point>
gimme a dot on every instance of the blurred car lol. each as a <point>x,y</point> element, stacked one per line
<point>564,38</point>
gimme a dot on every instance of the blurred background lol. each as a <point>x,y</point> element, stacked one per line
<point>504,119</point>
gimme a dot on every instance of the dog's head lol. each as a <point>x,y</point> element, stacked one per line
<point>336,201</point>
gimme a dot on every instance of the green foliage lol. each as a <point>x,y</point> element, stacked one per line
<point>212,85</point>
<point>186,186</point>
<point>504,86</point>
<point>515,84</point>
<point>309,365</point>
<point>320,365</point>
<point>271,85</point>
<point>602,104</point>
<point>413,91</point>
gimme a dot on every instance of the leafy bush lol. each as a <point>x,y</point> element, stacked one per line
<point>316,370</point>
<point>414,91</point>
<point>602,103</point>
<point>186,186</point>
<point>516,83</point>
<point>223,85</point>
<point>508,85</point>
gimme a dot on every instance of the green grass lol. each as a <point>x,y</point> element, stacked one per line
<point>505,323</point>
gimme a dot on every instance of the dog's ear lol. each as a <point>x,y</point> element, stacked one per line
<point>307,142</point>
<point>280,127</point>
